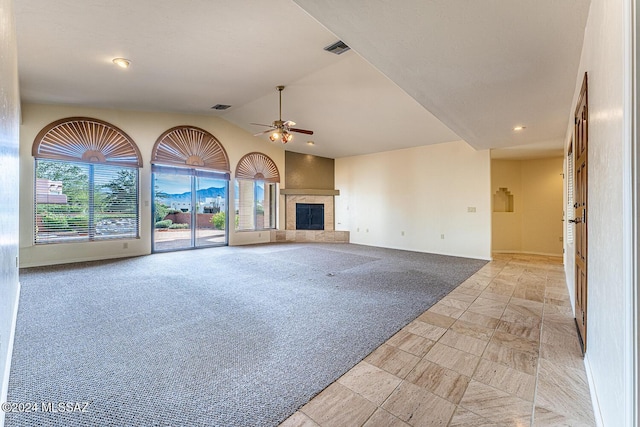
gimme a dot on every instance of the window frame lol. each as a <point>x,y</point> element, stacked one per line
<point>92,144</point>
<point>257,167</point>
<point>273,204</point>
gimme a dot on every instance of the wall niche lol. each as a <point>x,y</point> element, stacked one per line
<point>503,200</point>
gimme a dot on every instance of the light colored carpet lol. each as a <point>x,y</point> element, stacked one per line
<point>231,336</point>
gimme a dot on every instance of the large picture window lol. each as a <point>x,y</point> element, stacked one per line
<point>255,192</point>
<point>86,182</point>
<point>84,202</point>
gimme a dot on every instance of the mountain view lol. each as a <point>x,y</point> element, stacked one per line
<point>211,192</point>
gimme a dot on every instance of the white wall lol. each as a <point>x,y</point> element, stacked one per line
<point>9,126</point>
<point>424,192</point>
<point>609,342</point>
<point>535,225</point>
<point>144,128</point>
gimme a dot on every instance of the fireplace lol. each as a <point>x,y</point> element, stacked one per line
<point>309,216</point>
<point>317,204</point>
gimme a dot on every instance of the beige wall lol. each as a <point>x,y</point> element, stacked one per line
<point>410,199</point>
<point>144,128</point>
<point>308,172</point>
<point>535,225</point>
<point>609,359</point>
<point>9,182</point>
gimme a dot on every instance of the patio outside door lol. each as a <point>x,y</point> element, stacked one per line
<point>189,209</point>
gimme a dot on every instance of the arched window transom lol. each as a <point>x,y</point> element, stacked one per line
<point>85,139</point>
<point>259,167</point>
<point>191,147</point>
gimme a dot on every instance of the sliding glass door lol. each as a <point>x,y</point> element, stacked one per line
<point>189,208</point>
<point>211,213</point>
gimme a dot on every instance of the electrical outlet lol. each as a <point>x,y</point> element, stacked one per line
<point>442,236</point>
<point>358,229</point>
<point>402,233</point>
<point>367,230</point>
<point>125,245</point>
<point>259,234</point>
<point>471,209</point>
<point>560,238</point>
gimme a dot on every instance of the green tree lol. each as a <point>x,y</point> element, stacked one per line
<point>160,209</point>
<point>74,180</point>
<point>120,193</point>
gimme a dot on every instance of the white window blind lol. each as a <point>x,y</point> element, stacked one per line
<point>77,201</point>
<point>570,201</point>
<point>255,205</point>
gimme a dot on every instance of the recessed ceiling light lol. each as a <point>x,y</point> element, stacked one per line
<point>311,143</point>
<point>122,62</point>
<point>519,128</point>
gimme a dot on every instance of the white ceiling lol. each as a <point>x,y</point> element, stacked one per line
<point>481,67</point>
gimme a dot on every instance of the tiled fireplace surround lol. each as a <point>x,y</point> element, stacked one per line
<point>290,234</point>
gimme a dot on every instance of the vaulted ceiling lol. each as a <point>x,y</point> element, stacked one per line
<point>423,73</point>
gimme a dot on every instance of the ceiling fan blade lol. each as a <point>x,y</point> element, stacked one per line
<point>308,132</point>
<point>263,132</point>
<point>260,124</point>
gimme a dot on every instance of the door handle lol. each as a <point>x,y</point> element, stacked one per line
<point>576,221</point>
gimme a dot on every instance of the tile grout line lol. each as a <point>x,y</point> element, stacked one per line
<point>535,389</point>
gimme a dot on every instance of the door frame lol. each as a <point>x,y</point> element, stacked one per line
<point>580,144</point>
<point>631,227</point>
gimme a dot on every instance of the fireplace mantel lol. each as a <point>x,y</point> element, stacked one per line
<point>308,192</point>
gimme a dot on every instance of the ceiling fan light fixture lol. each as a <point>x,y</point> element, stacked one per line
<point>274,136</point>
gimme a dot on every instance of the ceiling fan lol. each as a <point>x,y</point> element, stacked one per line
<point>281,130</point>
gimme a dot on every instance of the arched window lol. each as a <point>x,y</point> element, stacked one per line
<point>256,192</point>
<point>86,185</point>
<point>190,190</point>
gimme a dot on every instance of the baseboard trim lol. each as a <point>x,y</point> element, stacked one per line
<point>7,367</point>
<point>528,253</point>
<point>597,415</point>
<point>76,260</point>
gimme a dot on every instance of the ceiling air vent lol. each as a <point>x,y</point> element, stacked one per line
<point>220,107</point>
<point>337,48</point>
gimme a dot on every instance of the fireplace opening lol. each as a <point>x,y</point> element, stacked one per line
<point>309,216</point>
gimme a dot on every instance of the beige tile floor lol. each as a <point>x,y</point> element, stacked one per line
<point>500,350</point>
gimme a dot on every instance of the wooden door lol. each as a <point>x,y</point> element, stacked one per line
<point>580,214</point>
